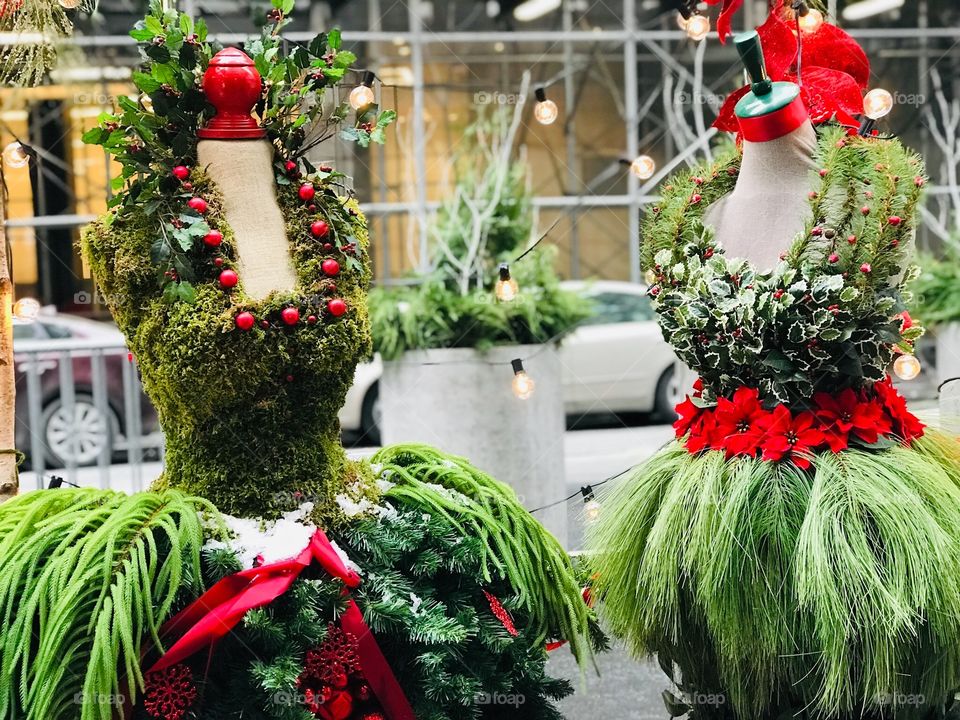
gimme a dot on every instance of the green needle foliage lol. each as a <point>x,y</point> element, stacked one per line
<point>828,593</point>
<point>88,577</point>
<point>514,546</point>
<point>937,290</point>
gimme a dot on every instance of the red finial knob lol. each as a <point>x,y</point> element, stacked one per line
<point>232,84</point>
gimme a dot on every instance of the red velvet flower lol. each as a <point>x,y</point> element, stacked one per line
<point>845,414</point>
<point>905,424</point>
<point>703,434</point>
<point>790,438</point>
<point>500,612</point>
<point>725,20</point>
<point>739,429</point>
<point>833,73</point>
<point>169,693</point>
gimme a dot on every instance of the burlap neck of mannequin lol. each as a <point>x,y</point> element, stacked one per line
<point>243,170</point>
<point>769,206</point>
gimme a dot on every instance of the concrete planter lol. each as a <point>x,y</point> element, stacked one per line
<point>461,402</point>
<point>948,352</point>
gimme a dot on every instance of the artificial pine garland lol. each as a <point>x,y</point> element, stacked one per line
<point>829,316</point>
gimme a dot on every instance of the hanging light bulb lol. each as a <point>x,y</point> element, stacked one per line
<point>506,288</point>
<point>545,111</point>
<point>877,104</point>
<point>682,21</point>
<point>362,95</point>
<point>26,310</point>
<point>523,384</point>
<point>698,27</point>
<point>69,4</point>
<point>591,507</point>
<point>906,367</point>
<point>811,21</point>
<point>15,155</point>
<point>643,167</point>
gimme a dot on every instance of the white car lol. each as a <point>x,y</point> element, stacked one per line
<point>616,362</point>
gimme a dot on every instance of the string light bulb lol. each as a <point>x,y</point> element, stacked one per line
<point>643,167</point>
<point>682,21</point>
<point>877,104</point>
<point>523,384</point>
<point>26,310</point>
<point>15,155</point>
<point>698,27</point>
<point>506,288</point>
<point>545,111</point>
<point>362,95</point>
<point>591,507</point>
<point>811,21</point>
<point>906,367</point>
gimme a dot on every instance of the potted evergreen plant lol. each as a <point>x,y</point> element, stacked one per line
<point>450,340</point>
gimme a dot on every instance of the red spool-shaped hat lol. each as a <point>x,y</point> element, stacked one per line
<point>232,85</point>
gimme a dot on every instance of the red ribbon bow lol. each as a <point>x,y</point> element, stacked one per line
<point>223,606</point>
<point>725,21</point>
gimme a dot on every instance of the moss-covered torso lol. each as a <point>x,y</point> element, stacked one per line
<point>250,417</point>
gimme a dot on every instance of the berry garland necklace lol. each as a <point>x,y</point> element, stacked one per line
<point>830,315</point>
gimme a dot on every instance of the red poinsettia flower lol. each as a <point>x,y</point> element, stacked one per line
<point>703,433</point>
<point>689,413</point>
<point>905,424</point>
<point>739,427</point>
<point>833,72</point>
<point>791,438</point>
<point>845,414</point>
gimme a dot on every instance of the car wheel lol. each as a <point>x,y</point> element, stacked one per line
<point>79,437</point>
<point>664,407</point>
<point>371,416</point>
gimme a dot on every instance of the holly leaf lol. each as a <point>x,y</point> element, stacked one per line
<point>186,292</point>
<point>334,39</point>
<point>142,34</point>
<point>344,59</point>
<point>170,293</point>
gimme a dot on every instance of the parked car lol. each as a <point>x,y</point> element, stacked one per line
<point>616,362</point>
<point>79,437</point>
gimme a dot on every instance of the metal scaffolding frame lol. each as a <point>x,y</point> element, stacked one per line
<point>655,42</point>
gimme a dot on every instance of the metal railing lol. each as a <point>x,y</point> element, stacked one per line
<point>80,406</point>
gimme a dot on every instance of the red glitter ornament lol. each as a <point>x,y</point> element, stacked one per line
<point>169,693</point>
<point>336,656</point>
<point>500,612</point>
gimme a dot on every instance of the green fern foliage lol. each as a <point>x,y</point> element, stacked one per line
<point>828,593</point>
<point>514,546</point>
<point>86,579</point>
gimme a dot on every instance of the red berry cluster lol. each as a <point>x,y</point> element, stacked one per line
<point>332,680</point>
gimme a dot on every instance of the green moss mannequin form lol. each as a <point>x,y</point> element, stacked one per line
<point>250,418</point>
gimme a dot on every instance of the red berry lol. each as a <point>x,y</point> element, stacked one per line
<point>817,231</point>
<point>198,204</point>
<point>312,208</point>
<point>213,238</point>
<point>290,378</point>
<point>834,258</point>
<point>852,239</point>
<point>320,229</point>
<point>865,210</point>
<point>919,181</point>
<point>337,307</point>
<point>265,324</point>
<point>181,172</point>
<point>188,186</point>
<point>330,267</point>
<point>311,320</point>
<point>326,169</point>
<point>307,192</point>
<point>695,198</point>
<point>245,320</point>
<point>697,180</point>
<point>778,294</point>
<point>218,262</point>
<point>895,220</point>
<point>824,172</point>
<point>812,195</point>
<point>229,279</point>
<point>291,166</point>
<point>894,243</point>
<point>868,194</point>
<point>328,246</point>
<point>841,143</point>
<point>865,268</point>
<point>290,316</point>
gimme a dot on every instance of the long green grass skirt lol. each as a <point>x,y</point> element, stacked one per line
<point>832,592</point>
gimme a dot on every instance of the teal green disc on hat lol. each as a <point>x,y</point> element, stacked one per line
<point>765,96</point>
